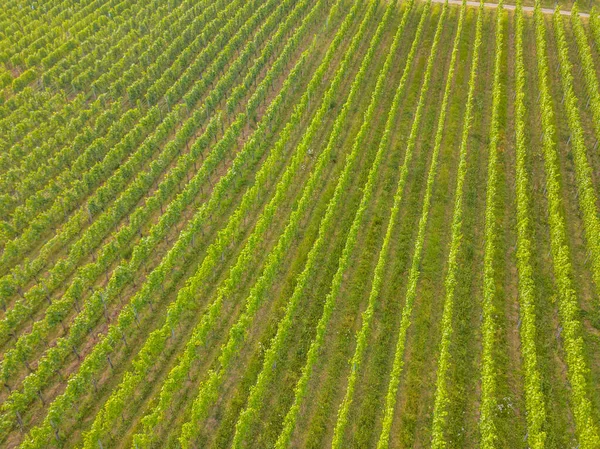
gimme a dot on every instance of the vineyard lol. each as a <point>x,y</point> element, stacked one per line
<point>299,224</point>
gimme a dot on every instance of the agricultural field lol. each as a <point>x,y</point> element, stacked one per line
<point>299,224</point>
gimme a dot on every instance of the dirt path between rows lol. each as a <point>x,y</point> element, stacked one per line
<point>509,7</point>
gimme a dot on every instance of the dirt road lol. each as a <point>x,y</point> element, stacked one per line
<point>510,7</point>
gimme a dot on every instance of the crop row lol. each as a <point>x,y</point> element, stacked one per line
<point>122,275</point>
<point>489,369</point>
<point>534,397</point>
<point>440,410</point>
<point>563,270</point>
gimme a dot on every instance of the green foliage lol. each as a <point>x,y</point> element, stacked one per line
<point>410,295</point>
<point>534,398</point>
<point>150,151</point>
<point>26,78</point>
<point>563,270</point>
<point>208,388</point>
<point>260,388</point>
<point>186,297</point>
<point>489,400</point>
<point>440,412</point>
<point>588,199</point>
<point>93,307</point>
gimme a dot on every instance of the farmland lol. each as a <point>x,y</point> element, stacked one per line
<point>299,223</point>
